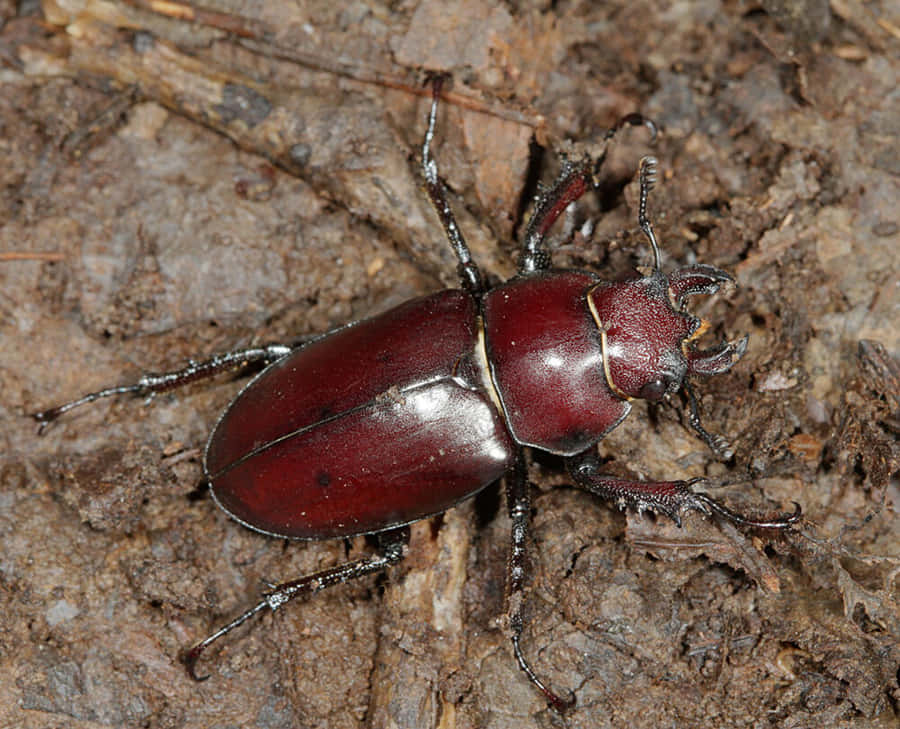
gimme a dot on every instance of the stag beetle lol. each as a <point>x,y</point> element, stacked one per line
<point>395,418</point>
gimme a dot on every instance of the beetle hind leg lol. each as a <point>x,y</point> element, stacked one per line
<point>519,505</point>
<point>152,383</point>
<point>391,549</point>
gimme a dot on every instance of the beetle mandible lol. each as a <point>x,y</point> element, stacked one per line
<point>465,379</point>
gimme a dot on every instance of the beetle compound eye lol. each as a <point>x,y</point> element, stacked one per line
<point>654,390</point>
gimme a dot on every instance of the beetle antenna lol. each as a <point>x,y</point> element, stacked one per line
<point>647,181</point>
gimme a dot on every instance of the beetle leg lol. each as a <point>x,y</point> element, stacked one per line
<point>150,383</point>
<point>718,444</point>
<point>392,548</point>
<point>671,498</point>
<point>574,180</point>
<point>519,504</point>
<point>467,269</point>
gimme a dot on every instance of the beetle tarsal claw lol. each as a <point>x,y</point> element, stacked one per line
<point>674,514</point>
<point>557,703</point>
<point>784,521</point>
<point>189,658</point>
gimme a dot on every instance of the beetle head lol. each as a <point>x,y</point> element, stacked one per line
<point>648,337</point>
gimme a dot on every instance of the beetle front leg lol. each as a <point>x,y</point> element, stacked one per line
<point>152,383</point>
<point>671,498</point>
<point>391,549</point>
<point>518,502</point>
<point>575,179</point>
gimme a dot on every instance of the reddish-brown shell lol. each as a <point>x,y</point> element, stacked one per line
<point>644,334</point>
<point>375,425</point>
<point>546,357</point>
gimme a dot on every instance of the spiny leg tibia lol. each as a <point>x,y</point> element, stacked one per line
<point>671,498</point>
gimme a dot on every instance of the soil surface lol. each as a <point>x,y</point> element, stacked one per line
<point>173,187</point>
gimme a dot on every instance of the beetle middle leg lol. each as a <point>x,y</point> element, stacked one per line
<point>518,503</point>
<point>668,497</point>
<point>468,271</point>
<point>391,549</point>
